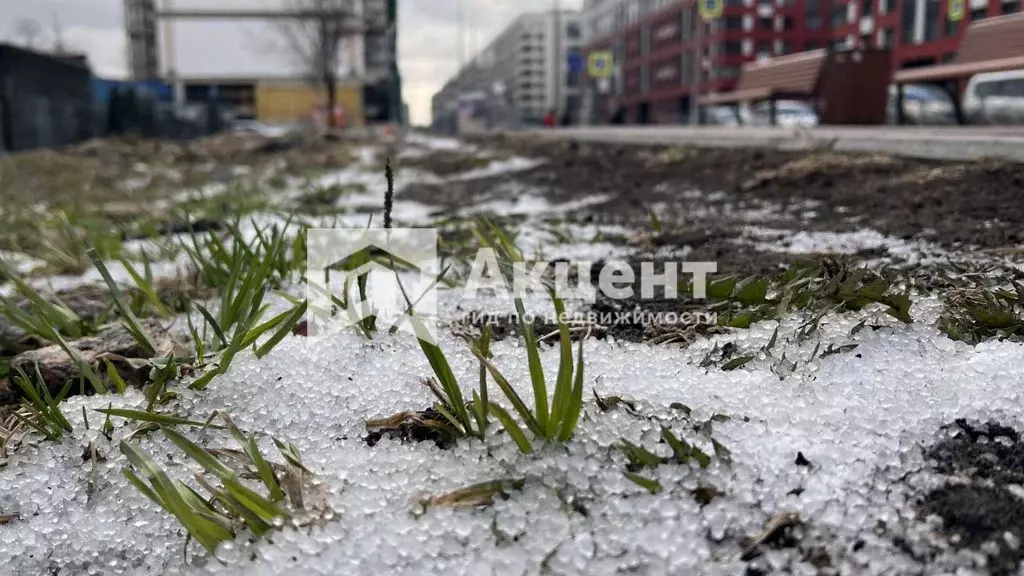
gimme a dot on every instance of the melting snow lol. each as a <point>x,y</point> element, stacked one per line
<point>859,418</point>
<point>497,167</point>
<point>804,242</point>
<point>317,392</point>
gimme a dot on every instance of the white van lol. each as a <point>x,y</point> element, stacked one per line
<point>995,98</point>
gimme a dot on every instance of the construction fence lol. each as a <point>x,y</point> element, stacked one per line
<point>48,100</point>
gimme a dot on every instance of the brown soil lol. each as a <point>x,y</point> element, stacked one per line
<point>975,203</point>
<point>978,507</point>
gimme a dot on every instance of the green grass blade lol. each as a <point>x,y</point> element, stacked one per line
<point>291,455</point>
<point>575,405</point>
<point>197,341</point>
<point>213,324</point>
<point>115,377</point>
<point>162,419</point>
<point>266,473</point>
<point>563,383</point>
<point>203,381</point>
<point>259,505</point>
<point>484,345</point>
<point>286,325</point>
<point>146,287</point>
<point>651,485</point>
<point>196,452</point>
<point>540,391</point>
<point>512,395</point>
<point>166,494</point>
<point>479,413</point>
<point>451,418</point>
<point>680,448</point>
<point>512,427</point>
<point>86,370</point>
<point>131,322</point>
<point>29,390</point>
<point>39,424</point>
<point>443,371</point>
<point>142,487</point>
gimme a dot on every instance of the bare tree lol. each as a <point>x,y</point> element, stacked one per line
<point>59,47</point>
<point>27,31</point>
<point>316,38</point>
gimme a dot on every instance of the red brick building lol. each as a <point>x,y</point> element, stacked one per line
<point>654,70</point>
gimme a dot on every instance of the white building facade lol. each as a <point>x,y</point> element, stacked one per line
<point>534,66</point>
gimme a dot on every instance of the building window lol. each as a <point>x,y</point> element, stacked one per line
<point>907,23</point>
<point>838,14</point>
<point>885,38</point>
<point>812,14</point>
<point>732,49</point>
<point>764,49</point>
<point>785,47</point>
<point>979,14</point>
<point>572,30</point>
<point>765,23</point>
<point>728,72</point>
<point>952,28</point>
<point>932,18</point>
<point>733,23</point>
<point>812,45</point>
<point>1011,6</point>
<point>948,57</point>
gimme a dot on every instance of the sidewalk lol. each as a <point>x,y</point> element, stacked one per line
<point>941,143</point>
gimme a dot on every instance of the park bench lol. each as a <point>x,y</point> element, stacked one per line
<point>990,45</point>
<point>846,87</point>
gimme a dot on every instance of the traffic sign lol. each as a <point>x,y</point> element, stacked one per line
<point>957,10</point>
<point>599,64</point>
<point>575,62</point>
<point>711,9</point>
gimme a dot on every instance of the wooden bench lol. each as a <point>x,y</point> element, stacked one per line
<point>846,87</point>
<point>990,45</point>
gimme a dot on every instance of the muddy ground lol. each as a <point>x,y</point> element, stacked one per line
<point>953,204</point>
<point>706,200</point>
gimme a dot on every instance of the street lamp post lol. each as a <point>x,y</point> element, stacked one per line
<point>557,65</point>
<point>707,12</point>
<point>697,56</point>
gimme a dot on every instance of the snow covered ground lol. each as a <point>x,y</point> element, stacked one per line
<point>836,440</point>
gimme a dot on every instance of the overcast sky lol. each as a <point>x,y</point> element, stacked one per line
<point>428,38</point>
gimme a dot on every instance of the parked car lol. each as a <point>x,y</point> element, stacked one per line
<point>995,98</point>
<point>724,115</point>
<point>788,113</point>
<point>922,104</point>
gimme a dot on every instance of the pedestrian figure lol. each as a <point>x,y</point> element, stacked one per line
<point>550,120</point>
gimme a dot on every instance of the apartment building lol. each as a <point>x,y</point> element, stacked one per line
<point>654,43</point>
<point>532,67</point>
<point>140,25</point>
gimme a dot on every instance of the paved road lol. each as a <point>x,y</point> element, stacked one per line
<point>947,143</point>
